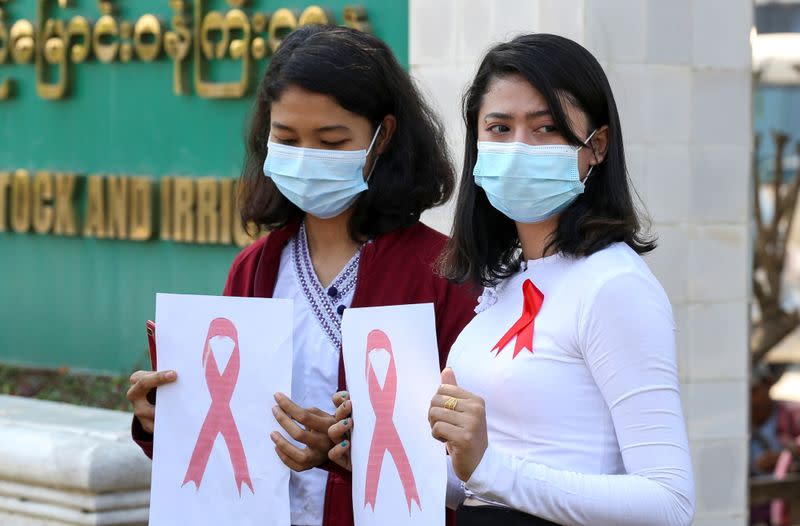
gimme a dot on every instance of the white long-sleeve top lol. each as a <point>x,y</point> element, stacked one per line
<point>588,429</point>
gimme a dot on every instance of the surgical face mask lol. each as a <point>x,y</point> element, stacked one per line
<point>528,183</point>
<point>323,183</point>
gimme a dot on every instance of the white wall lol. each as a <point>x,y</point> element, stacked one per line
<point>680,70</point>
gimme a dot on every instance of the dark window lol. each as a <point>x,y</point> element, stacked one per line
<point>778,18</point>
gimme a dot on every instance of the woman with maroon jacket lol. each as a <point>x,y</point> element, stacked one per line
<point>342,158</point>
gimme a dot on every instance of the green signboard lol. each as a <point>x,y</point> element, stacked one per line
<point>121,136</point>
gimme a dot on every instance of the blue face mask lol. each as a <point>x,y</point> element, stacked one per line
<point>323,183</point>
<point>529,183</point>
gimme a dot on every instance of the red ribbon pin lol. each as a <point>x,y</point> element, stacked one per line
<point>523,327</point>
<point>219,419</point>
<point>385,437</point>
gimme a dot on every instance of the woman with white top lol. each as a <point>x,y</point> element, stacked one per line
<point>561,401</point>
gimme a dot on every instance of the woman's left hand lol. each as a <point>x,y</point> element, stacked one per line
<point>462,428</point>
<point>307,426</point>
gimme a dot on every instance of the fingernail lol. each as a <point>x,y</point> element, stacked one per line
<point>344,394</point>
<point>275,410</point>
<point>344,443</point>
<point>345,422</point>
<point>170,375</point>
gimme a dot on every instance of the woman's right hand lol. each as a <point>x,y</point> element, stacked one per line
<point>339,432</point>
<point>142,383</point>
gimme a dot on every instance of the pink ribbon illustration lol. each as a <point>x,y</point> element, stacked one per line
<point>385,437</point>
<point>219,419</point>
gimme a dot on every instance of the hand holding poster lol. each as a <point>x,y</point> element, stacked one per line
<point>213,462</point>
<point>392,366</point>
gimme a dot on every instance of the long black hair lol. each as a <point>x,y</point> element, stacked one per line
<point>360,72</point>
<point>485,247</point>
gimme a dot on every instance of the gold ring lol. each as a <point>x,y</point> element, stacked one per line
<point>451,403</point>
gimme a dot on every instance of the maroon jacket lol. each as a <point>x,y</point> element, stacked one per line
<point>395,269</point>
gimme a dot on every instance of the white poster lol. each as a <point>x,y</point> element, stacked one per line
<point>392,365</point>
<point>213,461</point>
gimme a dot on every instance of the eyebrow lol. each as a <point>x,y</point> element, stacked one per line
<point>332,127</point>
<point>529,115</point>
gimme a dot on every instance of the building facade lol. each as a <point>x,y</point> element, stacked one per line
<point>117,166</point>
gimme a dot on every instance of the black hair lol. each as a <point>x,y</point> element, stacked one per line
<point>485,247</point>
<point>359,71</point>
